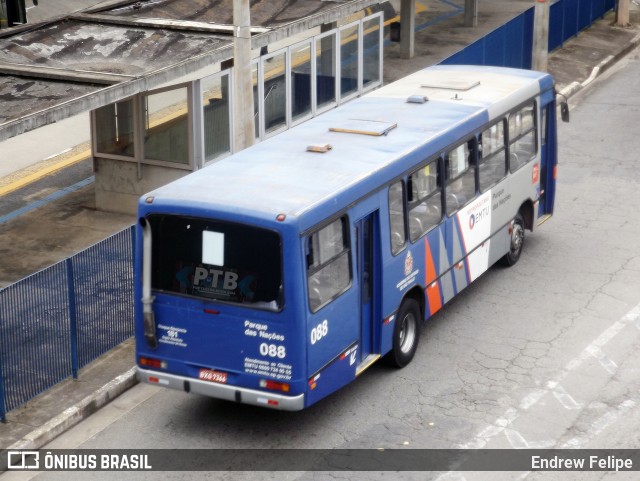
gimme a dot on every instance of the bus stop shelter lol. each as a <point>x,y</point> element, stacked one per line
<point>106,59</point>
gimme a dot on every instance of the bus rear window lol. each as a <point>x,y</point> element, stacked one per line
<point>219,261</point>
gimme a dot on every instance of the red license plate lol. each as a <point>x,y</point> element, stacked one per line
<point>212,376</point>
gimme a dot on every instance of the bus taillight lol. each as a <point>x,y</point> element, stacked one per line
<point>153,363</point>
<point>274,385</point>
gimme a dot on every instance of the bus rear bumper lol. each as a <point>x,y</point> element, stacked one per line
<point>221,391</point>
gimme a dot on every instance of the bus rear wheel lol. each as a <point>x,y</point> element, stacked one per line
<point>516,244</point>
<point>406,334</point>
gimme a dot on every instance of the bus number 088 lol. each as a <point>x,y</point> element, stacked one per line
<point>320,331</point>
<point>273,350</point>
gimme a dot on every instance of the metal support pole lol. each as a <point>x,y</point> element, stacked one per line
<point>407,28</point>
<point>471,13</point>
<point>243,119</point>
<point>540,53</point>
<point>3,411</point>
<point>73,328</point>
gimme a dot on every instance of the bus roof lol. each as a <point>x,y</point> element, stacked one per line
<point>279,175</point>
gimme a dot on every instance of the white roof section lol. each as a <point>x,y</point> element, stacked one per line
<point>279,175</point>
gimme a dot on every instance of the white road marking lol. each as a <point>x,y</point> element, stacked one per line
<point>501,425</point>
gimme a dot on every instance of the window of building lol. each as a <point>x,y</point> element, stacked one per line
<point>328,265</point>
<point>325,58</point>
<point>300,81</point>
<point>275,92</point>
<point>349,60</point>
<point>167,126</point>
<point>216,116</point>
<point>424,200</point>
<point>115,134</point>
<point>371,52</point>
<point>256,99</point>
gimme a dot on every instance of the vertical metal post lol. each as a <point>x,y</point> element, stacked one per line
<point>243,98</point>
<point>407,28</point>
<point>540,53</point>
<point>3,411</point>
<point>196,112</point>
<point>132,232</point>
<point>471,13</point>
<point>73,328</point>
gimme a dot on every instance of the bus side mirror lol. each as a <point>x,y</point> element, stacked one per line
<point>564,111</point>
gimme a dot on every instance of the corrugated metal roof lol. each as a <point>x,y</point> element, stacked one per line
<point>56,69</point>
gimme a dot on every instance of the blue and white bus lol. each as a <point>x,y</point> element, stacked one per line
<point>278,275</point>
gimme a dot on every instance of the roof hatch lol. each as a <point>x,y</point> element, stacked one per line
<point>451,84</point>
<point>364,127</point>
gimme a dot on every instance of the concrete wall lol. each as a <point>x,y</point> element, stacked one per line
<point>118,188</point>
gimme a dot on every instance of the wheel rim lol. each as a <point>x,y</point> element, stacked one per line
<point>407,333</point>
<point>517,238</point>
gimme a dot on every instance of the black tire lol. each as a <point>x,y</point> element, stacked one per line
<point>406,334</point>
<point>516,244</point>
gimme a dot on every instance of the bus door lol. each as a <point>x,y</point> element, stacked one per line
<point>368,258</point>
<point>548,152</point>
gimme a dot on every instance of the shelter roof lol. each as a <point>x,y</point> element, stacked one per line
<point>68,65</point>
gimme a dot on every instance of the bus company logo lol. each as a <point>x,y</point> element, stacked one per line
<point>408,264</point>
<point>479,211</point>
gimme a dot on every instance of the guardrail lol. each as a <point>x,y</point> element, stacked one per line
<point>58,320</point>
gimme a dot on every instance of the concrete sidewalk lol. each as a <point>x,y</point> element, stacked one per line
<point>38,238</point>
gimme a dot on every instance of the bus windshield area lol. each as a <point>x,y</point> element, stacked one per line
<point>218,261</point>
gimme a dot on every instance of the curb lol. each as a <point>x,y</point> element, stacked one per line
<point>575,87</point>
<point>77,413</point>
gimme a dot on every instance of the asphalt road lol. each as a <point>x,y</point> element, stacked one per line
<point>543,354</point>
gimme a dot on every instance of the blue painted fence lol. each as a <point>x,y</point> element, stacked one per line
<point>511,44</point>
<point>57,321</point>
<point>60,319</point>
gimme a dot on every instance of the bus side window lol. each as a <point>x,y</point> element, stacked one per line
<point>522,137</point>
<point>425,210</point>
<point>460,175</point>
<point>328,266</point>
<point>396,217</point>
<point>492,156</point>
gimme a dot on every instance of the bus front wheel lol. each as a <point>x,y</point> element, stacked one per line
<point>406,334</point>
<point>517,241</point>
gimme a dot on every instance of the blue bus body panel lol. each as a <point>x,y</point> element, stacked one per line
<point>195,334</point>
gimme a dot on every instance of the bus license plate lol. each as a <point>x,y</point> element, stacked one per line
<point>212,376</point>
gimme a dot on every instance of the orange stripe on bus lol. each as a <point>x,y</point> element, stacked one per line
<point>432,290</point>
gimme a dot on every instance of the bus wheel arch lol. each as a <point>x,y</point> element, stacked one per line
<point>406,332</point>
<point>526,211</point>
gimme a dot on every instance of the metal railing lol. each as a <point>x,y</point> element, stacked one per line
<point>58,320</point>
